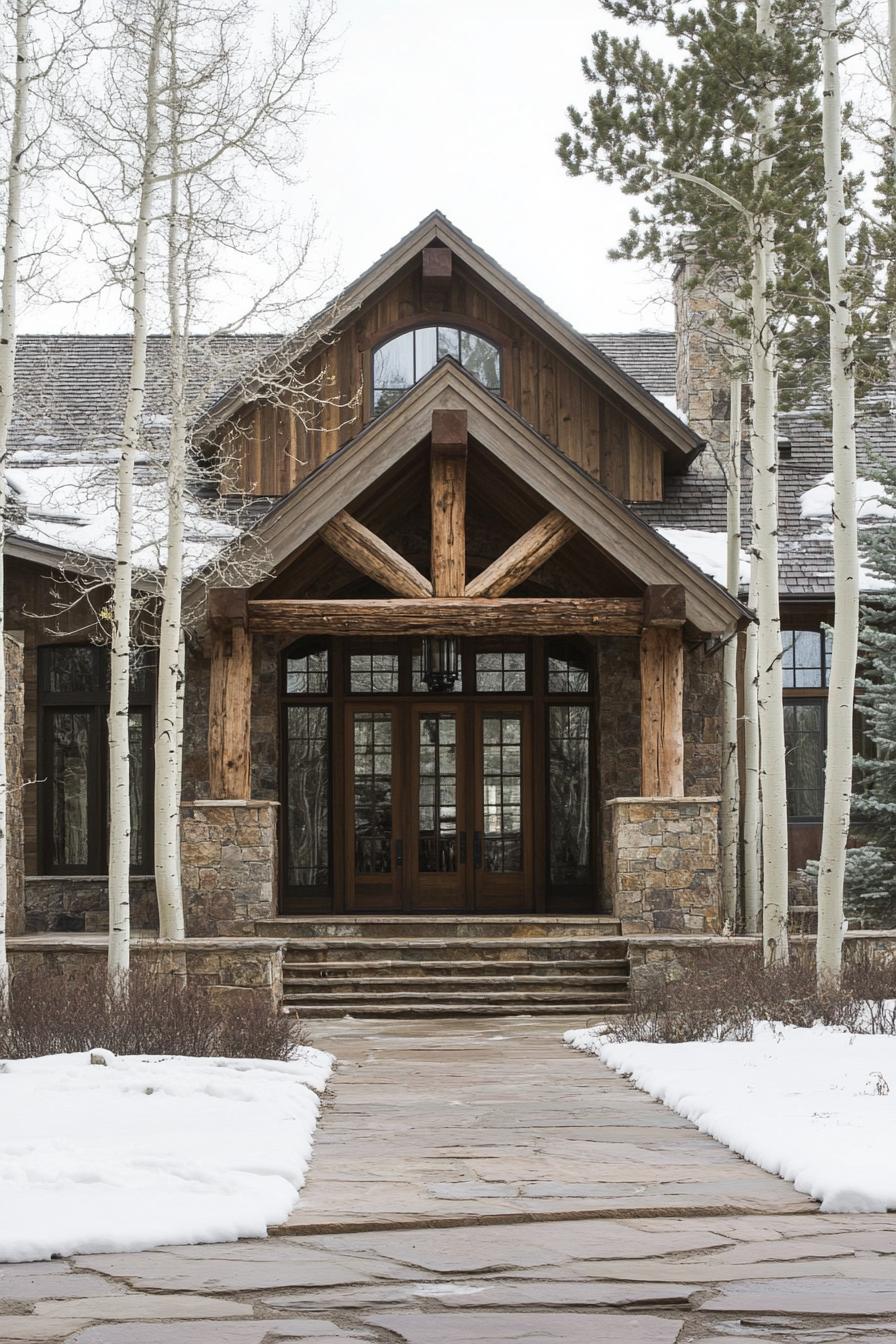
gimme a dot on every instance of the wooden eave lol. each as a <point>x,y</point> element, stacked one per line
<point>436,228</point>
<point>614,529</point>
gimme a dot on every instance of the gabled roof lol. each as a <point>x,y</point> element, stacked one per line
<point>436,228</point>
<point>609,524</point>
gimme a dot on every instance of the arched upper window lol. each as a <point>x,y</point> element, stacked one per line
<point>402,361</point>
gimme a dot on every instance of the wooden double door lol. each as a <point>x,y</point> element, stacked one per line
<point>438,807</point>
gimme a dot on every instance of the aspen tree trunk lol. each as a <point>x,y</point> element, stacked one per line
<point>169,701</point>
<point>839,759</point>
<point>891,43</point>
<point>769,688</point>
<point>11,245</point>
<point>119,744</point>
<point>730,819</point>
<point>752,847</point>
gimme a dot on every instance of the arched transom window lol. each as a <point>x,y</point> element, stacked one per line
<point>402,361</point>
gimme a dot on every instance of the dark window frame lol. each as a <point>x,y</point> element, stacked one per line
<point>377,389</point>
<point>94,702</point>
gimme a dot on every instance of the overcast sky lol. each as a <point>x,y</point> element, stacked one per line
<point>457,107</point>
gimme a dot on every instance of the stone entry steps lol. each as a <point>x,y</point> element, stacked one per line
<point>436,967</point>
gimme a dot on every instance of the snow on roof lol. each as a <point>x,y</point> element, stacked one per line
<point>70,505</point>
<point>707,550</point>
<point>871,496</point>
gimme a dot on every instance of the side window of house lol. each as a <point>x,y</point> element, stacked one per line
<point>73,708</point>
<point>805,668</point>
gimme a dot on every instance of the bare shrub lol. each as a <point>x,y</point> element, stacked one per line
<point>722,1003</point>
<point>162,1014</point>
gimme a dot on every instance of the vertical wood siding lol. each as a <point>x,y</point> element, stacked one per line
<point>269,448</point>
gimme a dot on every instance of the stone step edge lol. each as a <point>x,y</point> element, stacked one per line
<point>419,983</point>
<point>323,944</point>
<point>449,1009</point>
<point>485,996</point>
<point>514,966</point>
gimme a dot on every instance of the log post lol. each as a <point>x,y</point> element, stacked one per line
<point>448,491</point>
<point>230,712</point>
<point>662,729</point>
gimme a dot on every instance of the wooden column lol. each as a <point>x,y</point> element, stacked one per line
<point>662,694</point>
<point>230,708</point>
<point>448,493</point>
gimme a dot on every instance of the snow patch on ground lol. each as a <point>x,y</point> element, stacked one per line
<point>706,550</point>
<point>154,1151</point>
<point>817,1107</point>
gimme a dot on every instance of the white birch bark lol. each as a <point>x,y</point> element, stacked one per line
<point>119,745</point>
<point>11,247</point>
<point>764,447</point>
<point>730,819</point>
<point>169,701</point>
<point>839,758</point>
<point>752,821</point>
<point>891,52</point>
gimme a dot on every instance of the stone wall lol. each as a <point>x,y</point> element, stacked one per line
<point>662,863</point>
<point>702,721</point>
<point>241,968</point>
<point>665,959</point>
<point>228,865</point>
<point>703,385</point>
<point>619,719</point>
<point>70,904</point>
<point>14,650</point>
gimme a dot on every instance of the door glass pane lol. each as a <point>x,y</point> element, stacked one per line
<point>568,668</point>
<point>502,787</point>
<point>307,672</point>
<point>437,803</point>
<point>71,785</point>
<point>374,673</point>
<point>372,747</point>
<point>501,670</point>
<point>804,722</point>
<point>308,796</point>
<point>569,831</point>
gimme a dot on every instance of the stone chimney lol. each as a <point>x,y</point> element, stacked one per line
<point>704,347</point>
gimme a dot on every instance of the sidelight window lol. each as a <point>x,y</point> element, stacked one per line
<point>402,361</point>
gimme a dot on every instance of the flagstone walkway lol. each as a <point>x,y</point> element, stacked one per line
<point>476,1182</point>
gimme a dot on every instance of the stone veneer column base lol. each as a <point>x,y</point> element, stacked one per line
<point>662,864</point>
<point>228,853</point>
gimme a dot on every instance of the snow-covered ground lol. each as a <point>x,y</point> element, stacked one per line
<point>152,1151</point>
<point>817,1107</point>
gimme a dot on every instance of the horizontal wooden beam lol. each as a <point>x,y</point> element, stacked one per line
<point>521,559</point>
<point>451,616</point>
<point>370,555</point>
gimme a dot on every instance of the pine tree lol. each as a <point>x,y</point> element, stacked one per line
<point>723,146</point>
<point>871,870</point>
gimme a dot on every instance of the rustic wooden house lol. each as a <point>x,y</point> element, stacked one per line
<point>473,686</point>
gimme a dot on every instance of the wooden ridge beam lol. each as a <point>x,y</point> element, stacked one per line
<point>450,616</point>
<point>521,559</point>
<point>372,556</point>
